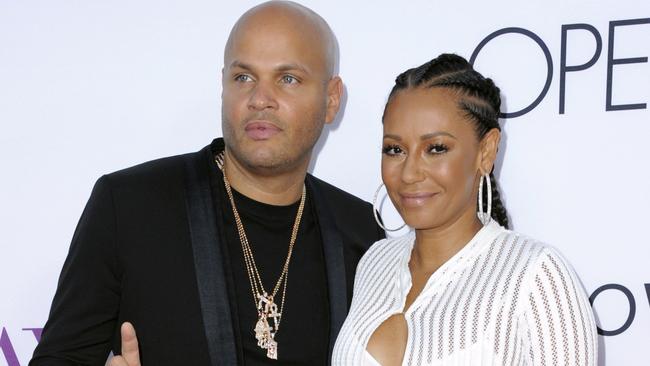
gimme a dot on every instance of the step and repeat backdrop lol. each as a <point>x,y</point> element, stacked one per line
<point>89,87</point>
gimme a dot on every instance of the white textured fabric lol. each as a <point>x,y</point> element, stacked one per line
<point>368,360</point>
<point>504,299</point>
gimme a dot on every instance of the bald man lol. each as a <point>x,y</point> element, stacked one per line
<point>233,254</point>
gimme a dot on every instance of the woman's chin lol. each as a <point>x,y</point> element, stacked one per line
<point>422,223</point>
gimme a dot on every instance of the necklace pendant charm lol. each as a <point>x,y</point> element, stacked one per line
<point>265,337</point>
<point>262,332</point>
<point>272,349</point>
<point>263,301</point>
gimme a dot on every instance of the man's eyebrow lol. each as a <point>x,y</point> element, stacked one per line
<point>280,68</point>
<point>291,67</point>
<point>241,65</point>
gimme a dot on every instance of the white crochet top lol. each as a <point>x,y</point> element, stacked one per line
<point>504,299</point>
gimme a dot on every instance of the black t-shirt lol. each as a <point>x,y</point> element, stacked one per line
<point>303,338</point>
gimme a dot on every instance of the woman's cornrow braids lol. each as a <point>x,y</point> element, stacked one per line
<point>479,98</point>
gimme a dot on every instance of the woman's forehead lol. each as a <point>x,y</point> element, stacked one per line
<point>425,111</point>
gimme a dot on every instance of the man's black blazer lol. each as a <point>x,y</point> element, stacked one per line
<point>148,249</point>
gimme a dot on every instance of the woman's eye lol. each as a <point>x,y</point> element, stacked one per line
<point>243,78</point>
<point>392,150</point>
<point>289,79</point>
<point>438,149</point>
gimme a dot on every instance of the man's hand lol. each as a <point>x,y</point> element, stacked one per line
<point>130,354</point>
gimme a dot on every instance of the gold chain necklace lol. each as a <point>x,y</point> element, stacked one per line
<point>266,306</point>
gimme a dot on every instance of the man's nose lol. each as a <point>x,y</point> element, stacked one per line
<point>262,97</point>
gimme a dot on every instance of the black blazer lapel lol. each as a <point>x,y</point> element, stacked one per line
<point>209,262</point>
<point>334,261</point>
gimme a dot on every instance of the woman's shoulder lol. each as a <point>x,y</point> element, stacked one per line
<point>541,261</point>
<point>386,252</point>
<point>390,245</point>
<point>530,248</point>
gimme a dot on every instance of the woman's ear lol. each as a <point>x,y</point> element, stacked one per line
<point>488,150</point>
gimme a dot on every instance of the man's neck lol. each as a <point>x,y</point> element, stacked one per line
<point>280,189</point>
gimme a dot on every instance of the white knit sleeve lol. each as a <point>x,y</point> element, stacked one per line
<point>557,321</point>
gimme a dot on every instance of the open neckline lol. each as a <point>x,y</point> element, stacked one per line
<point>369,359</point>
<point>479,242</point>
<point>482,240</point>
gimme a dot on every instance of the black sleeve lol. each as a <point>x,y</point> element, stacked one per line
<point>82,320</point>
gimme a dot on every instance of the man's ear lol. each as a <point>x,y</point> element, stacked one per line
<point>489,147</point>
<point>334,93</point>
<point>223,73</point>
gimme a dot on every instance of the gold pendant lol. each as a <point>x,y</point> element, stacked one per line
<point>272,350</point>
<point>264,332</point>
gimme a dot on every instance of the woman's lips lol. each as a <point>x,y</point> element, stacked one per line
<point>261,130</point>
<point>416,199</point>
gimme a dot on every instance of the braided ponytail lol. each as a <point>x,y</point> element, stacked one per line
<point>480,100</point>
<point>499,212</point>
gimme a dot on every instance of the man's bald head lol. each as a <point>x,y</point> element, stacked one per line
<point>279,87</point>
<point>291,19</point>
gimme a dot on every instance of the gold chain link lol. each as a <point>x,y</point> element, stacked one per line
<point>257,287</point>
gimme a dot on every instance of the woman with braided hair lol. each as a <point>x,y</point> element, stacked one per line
<point>460,288</point>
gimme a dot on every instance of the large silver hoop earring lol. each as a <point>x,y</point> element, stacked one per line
<point>484,217</point>
<point>375,211</point>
